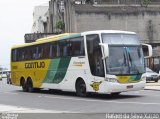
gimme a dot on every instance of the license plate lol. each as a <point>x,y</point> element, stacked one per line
<point>130,86</point>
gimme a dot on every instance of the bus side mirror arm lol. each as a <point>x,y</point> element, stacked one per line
<point>149,50</point>
<point>105,50</point>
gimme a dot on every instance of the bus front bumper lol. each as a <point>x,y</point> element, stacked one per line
<point>109,87</point>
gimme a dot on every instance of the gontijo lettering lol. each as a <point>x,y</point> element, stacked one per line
<point>34,65</point>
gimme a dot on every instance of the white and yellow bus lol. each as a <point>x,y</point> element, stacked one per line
<point>103,61</point>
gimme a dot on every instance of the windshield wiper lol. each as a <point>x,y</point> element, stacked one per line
<point>133,67</point>
<point>124,67</point>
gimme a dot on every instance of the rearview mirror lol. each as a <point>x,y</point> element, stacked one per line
<point>147,50</point>
<point>105,50</point>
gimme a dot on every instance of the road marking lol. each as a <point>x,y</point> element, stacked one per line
<point>92,100</point>
<point>16,109</point>
<point>11,93</point>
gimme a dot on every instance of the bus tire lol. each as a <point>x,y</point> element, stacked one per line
<point>36,89</point>
<point>30,85</point>
<point>156,80</point>
<point>81,88</point>
<point>24,85</point>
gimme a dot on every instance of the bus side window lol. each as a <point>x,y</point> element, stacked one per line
<point>14,55</point>
<point>28,53</point>
<point>60,50</point>
<point>66,48</point>
<point>25,54</point>
<point>17,54</point>
<point>46,51</point>
<point>54,53</point>
<point>77,46</point>
<point>20,54</point>
<point>40,52</point>
<point>63,48</point>
<point>43,51</point>
<point>95,55</point>
<point>34,52</point>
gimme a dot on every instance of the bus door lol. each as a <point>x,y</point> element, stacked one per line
<point>95,60</point>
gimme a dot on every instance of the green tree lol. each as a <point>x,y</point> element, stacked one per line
<point>145,3</point>
<point>60,26</point>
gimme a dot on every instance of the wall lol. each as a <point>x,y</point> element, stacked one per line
<point>144,21</point>
<point>83,17</point>
<point>127,2</point>
<point>40,19</point>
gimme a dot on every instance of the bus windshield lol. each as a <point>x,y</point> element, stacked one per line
<point>124,59</point>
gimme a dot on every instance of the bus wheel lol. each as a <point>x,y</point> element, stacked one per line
<point>36,89</point>
<point>81,88</point>
<point>156,80</point>
<point>30,85</point>
<point>24,85</point>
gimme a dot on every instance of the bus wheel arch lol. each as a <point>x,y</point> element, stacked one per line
<point>23,84</point>
<point>80,87</point>
<point>30,84</point>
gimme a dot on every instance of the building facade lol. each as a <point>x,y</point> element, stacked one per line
<point>83,15</point>
<point>126,15</point>
<point>140,16</point>
<point>40,19</point>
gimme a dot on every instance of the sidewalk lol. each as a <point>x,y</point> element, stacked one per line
<point>153,86</point>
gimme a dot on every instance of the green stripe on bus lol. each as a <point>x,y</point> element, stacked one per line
<point>52,70</point>
<point>136,78</point>
<point>57,70</point>
<point>71,36</point>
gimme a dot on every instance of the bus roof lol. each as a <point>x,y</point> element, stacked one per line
<point>69,35</point>
<point>107,31</point>
<point>49,39</point>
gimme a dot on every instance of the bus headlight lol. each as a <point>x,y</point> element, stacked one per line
<point>111,79</point>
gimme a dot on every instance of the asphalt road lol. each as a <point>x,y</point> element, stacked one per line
<point>65,103</point>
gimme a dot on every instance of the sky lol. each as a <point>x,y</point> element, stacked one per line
<point>16,19</point>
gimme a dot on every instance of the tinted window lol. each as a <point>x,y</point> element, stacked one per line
<point>42,51</point>
<point>20,54</point>
<point>34,52</point>
<point>95,55</point>
<point>14,55</point>
<point>54,50</point>
<point>77,46</point>
<point>62,48</point>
